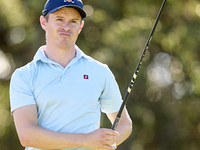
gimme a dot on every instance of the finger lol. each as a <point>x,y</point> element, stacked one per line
<point>111,138</point>
<point>109,143</point>
<point>112,132</point>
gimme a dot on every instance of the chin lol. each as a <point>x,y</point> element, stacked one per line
<point>64,46</point>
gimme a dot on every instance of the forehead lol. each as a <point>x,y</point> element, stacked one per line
<point>68,11</point>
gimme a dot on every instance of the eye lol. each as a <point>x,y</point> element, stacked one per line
<point>73,21</point>
<point>59,19</point>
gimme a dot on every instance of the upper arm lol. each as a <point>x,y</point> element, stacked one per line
<point>125,118</point>
<point>25,118</point>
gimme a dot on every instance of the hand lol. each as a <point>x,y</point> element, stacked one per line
<point>114,146</point>
<point>101,139</point>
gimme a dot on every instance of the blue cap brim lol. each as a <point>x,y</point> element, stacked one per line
<point>81,11</point>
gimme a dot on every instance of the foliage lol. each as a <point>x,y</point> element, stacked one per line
<point>164,104</point>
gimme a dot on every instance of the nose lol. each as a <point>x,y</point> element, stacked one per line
<point>66,26</point>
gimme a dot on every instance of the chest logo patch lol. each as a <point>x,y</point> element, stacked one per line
<point>85,76</point>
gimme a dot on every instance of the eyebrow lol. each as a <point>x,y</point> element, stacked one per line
<point>59,17</point>
<point>64,17</point>
<point>74,19</point>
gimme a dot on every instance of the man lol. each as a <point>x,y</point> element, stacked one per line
<point>57,99</point>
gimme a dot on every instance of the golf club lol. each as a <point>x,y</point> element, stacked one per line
<point>114,126</point>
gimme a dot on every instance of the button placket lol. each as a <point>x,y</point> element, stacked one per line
<point>64,72</point>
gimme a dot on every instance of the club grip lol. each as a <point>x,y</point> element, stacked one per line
<point>114,126</point>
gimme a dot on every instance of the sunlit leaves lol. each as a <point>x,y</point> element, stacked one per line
<point>164,103</point>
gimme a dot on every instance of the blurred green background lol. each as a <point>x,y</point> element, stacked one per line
<point>164,104</point>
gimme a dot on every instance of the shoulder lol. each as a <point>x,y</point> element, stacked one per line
<point>95,63</point>
<point>24,72</point>
<point>88,59</point>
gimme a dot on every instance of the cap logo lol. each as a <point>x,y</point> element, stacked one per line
<point>69,1</point>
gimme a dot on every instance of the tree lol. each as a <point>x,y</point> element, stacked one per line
<point>164,103</point>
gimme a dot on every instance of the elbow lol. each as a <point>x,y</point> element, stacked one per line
<point>129,127</point>
<point>126,126</point>
<point>25,141</point>
<point>130,130</point>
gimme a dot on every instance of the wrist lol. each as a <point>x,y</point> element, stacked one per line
<point>82,142</point>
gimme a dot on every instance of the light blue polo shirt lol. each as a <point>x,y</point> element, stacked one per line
<point>68,99</point>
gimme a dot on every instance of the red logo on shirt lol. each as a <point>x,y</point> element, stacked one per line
<point>85,77</point>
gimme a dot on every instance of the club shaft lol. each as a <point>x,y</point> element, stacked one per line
<point>125,99</point>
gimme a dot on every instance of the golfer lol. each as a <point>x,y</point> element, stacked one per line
<point>57,98</point>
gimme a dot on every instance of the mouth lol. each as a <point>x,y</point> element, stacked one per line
<point>65,34</point>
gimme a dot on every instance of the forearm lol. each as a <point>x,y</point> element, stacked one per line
<point>42,138</point>
<point>32,135</point>
<point>124,130</point>
<point>124,127</point>
<point>46,139</point>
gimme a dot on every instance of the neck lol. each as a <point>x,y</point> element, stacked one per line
<point>61,56</point>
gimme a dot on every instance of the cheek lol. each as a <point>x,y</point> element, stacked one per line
<point>51,30</point>
<point>78,30</point>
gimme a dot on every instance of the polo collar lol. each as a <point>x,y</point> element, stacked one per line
<point>40,55</point>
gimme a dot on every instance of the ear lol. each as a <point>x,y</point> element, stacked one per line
<point>43,22</point>
<point>81,27</point>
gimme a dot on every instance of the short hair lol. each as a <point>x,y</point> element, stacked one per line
<point>46,17</point>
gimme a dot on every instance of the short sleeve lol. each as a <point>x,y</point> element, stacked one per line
<point>111,99</point>
<point>20,90</point>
